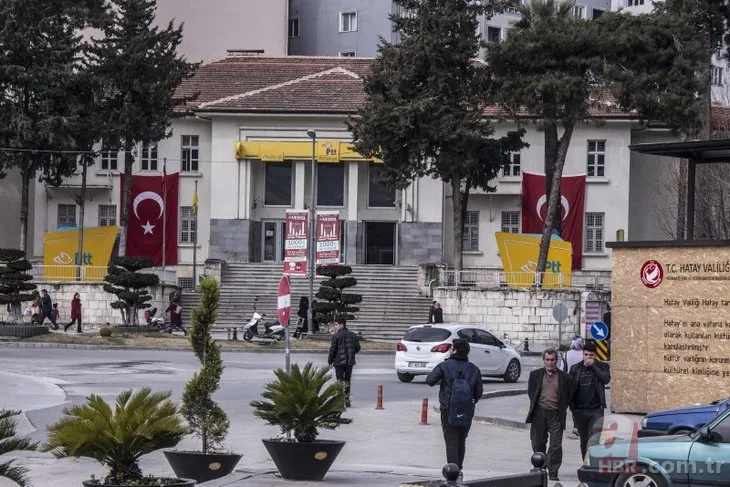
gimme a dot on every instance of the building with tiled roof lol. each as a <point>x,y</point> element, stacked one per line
<point>246,143</point>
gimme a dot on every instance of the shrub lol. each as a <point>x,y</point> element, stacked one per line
<point>10,442</point>
<point>302,402</point>
<point>130,286</point>
<point>105,332</point>
<point>206,418</point>
<point>14,285</point>
<point>339,305</point>
<point>141,423</point>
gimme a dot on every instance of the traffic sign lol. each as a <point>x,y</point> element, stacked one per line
<point>284,301</point>
<point>560,312</point>
<point>602,351</point>
<point>599,331</point>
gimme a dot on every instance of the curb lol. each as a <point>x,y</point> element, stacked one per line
<point>77,346</point>
<point>509,423</point>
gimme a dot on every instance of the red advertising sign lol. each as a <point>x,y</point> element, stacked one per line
<point>328,237</point>
<point>296,242</point>
<point>283,305</point>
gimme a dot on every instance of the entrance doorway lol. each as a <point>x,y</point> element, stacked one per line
<point>380,243</point>
<point>272,241</point>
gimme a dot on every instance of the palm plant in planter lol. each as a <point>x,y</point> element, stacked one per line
<point>207,420</point>
<point>302,402</point>
<point>140,423</point>
<point>10,442</point>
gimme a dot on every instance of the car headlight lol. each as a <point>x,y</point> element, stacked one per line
<point>644,421</point>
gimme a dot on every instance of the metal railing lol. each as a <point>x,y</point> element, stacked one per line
<point>87,273</point>
<point>489,278</point>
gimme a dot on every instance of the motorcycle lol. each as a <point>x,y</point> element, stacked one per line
<point>271,331</point>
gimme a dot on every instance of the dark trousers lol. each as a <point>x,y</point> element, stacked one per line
<point>343,373</point>
<point>589,423</point>
<point>546,423</point>
<point>78,325</point>
<point>48,315</point>
<point>455,439</point>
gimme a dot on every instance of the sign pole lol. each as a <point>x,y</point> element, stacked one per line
<point>195,242</point>
<point>311,264</point>
<point>164,218</point>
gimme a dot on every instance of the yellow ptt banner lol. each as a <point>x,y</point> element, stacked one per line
<point>326,150</point>
<point>520,252</point>
<point>60,249</point>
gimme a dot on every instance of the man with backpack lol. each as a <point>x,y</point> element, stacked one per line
<point>461,388</point>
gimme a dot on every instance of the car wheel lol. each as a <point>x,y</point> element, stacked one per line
<point>642,477</point>
<point>512,374</point>
<point>682,432</point>
<point>405,377</point>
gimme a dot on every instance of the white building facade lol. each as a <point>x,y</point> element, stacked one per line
<point>248,149</point>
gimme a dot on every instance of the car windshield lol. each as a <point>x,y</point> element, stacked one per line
<point>426,334</point>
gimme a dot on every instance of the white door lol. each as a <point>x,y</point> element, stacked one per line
<point>496,357</point>
<point>478,354</point>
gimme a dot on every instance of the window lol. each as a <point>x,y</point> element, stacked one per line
<point>597,13</point>
<point>109,159</point>
<point>716,76</point>
<point>348,53</point>
<point>188,225</point>
<point>594,233</point>
<point>294,27</point>
<point>190,152</point>
<point>494,34</point>
<point>514,165</point>
<point>107,215</point>
<point>66,216</point>
<point>149,158</point>
<point>511,221</point>
<point>379,195</point>
<point>471,231</point>
<point>634,3</point>
<point>596,158</point>
<point>331,184</point>
<point>484,338</point>
<point>277,183</point>
<point>721,431</point>
<point>579,12</point>
<point>426,335</point>
<point>348,21</point>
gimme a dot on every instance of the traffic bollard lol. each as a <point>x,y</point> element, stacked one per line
<point>235,334</point>
<point>379,404</point>
<point>424,411</point>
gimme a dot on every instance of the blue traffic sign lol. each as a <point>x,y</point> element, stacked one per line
<point>599,331</point>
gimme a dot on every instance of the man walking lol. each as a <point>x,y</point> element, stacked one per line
<point>548,389</point>
<point>47,309</point>
<point>461,388</point>
<point>343,348</point>
<point>588,381</point>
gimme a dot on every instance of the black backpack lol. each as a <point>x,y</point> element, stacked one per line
<point>461,404</point>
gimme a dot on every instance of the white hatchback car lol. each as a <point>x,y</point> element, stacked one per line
<point>425,346</point>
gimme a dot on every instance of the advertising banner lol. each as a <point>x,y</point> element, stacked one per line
<point>328,237</point>
<point>296,241</point>
<point>60,252</point>
<point>520,253</point>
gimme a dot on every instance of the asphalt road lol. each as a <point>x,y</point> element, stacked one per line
<point>44,381</point>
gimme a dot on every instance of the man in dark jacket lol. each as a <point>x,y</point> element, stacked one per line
<point>588,381</point>
<point>457,365</point>
<point>343,348</point>
<point>549,390</point>
<point>47,309</point>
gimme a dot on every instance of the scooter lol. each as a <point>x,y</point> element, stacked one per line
<point>156,322</point>
<point>272,331</point>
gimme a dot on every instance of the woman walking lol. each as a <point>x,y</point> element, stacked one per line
<point>75,313</point>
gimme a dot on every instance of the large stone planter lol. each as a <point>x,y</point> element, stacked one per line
<point>303,461</point>
<point>22,331</point>
<point>202,467</point>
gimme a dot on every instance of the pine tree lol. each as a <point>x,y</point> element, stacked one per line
<point>425,100</point>
<point>130,286</point>
<point>339,305</point>
<point>140,71</point>
<point>205,417</point>
<point>38,62</point>
<point>14,282</point>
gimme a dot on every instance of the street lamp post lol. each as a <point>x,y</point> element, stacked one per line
<point>312,229</point>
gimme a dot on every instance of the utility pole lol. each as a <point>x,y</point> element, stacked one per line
<point>312,229</point>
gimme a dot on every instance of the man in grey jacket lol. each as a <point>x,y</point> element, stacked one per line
<point>343,348</point>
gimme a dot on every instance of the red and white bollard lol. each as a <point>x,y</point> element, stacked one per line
<point>379,404</point>
<point>424,411</point>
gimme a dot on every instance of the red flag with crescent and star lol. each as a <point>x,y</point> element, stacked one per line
<point>150,214</point>
<point>572,200</point>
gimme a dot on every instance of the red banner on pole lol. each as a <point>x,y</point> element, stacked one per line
<point>296,242</point>
<point>572,201</point>
<point>328,237</point>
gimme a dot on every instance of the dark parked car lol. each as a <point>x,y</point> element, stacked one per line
<point>681,420</point>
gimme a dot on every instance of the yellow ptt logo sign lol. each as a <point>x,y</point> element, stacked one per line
<point>519,254</point>
<point>61,249</point>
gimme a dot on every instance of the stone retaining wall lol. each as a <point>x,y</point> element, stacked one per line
<point>516,314</point>
<point>95,302</point>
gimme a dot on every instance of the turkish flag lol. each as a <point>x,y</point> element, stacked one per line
<point>572,200</point>
<point>154,211</point>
